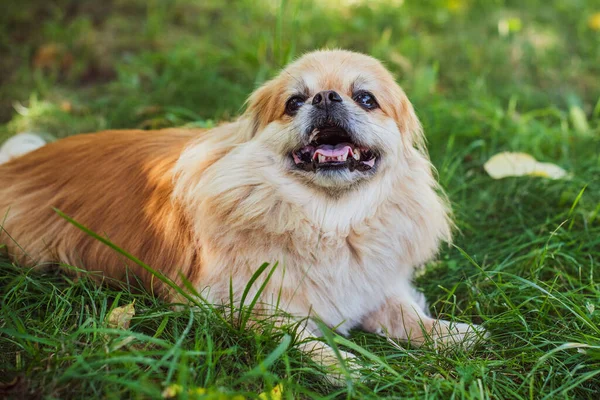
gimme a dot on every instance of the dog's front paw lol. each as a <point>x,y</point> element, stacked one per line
<point>336,367</point>
<point>451,334</point>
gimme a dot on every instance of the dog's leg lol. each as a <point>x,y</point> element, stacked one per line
<point>323,354</point>
<point>404,318</point>
<point>308,341</point>
<point>267,316</point>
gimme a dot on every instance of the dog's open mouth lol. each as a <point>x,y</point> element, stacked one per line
<point>332,148</point>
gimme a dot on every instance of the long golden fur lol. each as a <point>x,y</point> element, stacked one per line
<point>213,205</point>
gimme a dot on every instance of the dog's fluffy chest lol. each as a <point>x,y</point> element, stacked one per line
<point>345,275</point>
<point>335,275</point>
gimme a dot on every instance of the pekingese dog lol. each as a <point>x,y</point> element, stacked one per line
<point>325,175</point>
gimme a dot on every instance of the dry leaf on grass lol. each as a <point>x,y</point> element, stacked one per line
<point>507,164</point>
<point>120,317</point>
<point>172,391</point>
<point>273,394</point>
<point>19,144</point>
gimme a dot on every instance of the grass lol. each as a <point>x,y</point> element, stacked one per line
<point>484,76</point>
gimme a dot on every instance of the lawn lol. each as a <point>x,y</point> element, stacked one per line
<point>485,77</point>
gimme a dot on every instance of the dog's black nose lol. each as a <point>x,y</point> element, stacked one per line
<point>325,98</point>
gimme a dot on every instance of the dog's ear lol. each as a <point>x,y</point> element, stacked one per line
<point>407,121</point>
<point>265,105</point>
<point>395,104</point>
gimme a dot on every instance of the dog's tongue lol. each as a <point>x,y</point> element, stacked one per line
<point>329,150</point>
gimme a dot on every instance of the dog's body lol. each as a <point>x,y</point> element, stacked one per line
<point>347,233</point>
<point>99,192</point>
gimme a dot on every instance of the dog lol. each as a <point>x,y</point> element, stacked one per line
<point>325,176</point>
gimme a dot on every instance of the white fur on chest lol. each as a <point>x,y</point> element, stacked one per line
<point>337,274</point>
<point>338,257</point>
<point>340,289</point>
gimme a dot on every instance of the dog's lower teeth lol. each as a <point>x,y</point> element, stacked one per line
<point>355,159</point>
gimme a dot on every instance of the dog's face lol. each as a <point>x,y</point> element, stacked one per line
<point>334,119</point>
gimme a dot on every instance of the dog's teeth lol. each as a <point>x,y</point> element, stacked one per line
<point>356,154</point>
<point>313,134</point>
<point>322,158</point>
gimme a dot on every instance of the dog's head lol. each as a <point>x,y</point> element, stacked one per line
<point>334,119</point>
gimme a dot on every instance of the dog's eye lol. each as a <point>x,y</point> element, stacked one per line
<point>293,104</point>
<point>366,100</point>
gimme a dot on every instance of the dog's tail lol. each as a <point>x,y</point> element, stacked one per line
<point>20,144</point>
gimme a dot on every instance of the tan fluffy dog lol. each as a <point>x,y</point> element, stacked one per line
<point>324,174</point>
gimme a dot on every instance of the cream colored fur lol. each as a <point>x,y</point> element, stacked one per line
<point>215,205</point>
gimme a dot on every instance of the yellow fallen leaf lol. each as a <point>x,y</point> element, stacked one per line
<point>120,317</point>
<point>274,394</point>
<point>171,391</point>
<point>507,164</point>
<point>594,21</point>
